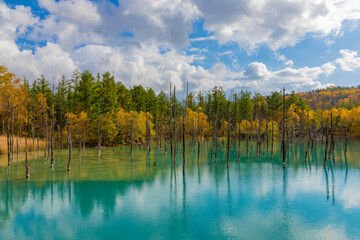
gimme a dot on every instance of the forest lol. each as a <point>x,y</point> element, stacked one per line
<point>97,110</point>
<point>339,97</point>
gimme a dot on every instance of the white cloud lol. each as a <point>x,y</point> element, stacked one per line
<point>142,65</point>
<point>256,70</point>
<point>167,22</point>
<point>275,23</point>
<point>83,12</point>
<point>53,61</point>
<point>199,39</point>
<point>349,60</point>
<point>283,59</point>
<point>257,77</point>
<point>14,21</point>
<point>50,60</point>
<point>92,40</point>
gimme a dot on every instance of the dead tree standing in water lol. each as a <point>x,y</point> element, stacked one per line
<point>98,130</point>
<point>175,128</point>
<point>247,138</point>
<point>283,131</point>
<point>308,145</point>
<point>184,125</point>
<point>132,134</point>
<point>239,143</point>
<point>228,140</point>
<point>170,126</point>
<point>272,139</point>
<point>267,129</point>
<point>332,142</point>
<point>199,134</point>
<point>326,145</point>
<point>346,141</point>
<point>149,134</point>
<point>27,167</point>
<point>216,123</point>
<point>69,142</point>
<point>52,132</point>
<point>8,131</point>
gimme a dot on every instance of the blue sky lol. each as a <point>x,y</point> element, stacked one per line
<point>246,44</point>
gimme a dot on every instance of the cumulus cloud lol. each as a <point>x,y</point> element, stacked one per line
<point>349,60</point>
<point>164,21</point>
<point>15,21</point>
<point>80,11</point>
<point>93,38</point>
<point>256,70</point>
<point>275,23</point>
<point>257,77</point>
<point>50,59</point>
<point>283,59</point>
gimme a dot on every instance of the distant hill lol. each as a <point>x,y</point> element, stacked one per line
<point>346,97</point>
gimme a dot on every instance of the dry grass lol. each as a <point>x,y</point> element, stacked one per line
<point>3,144</point>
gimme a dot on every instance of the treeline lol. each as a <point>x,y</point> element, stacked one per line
<point>88,110</point>
<point>339,97</point>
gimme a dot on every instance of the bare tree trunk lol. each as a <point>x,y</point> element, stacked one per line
<point>52,133</point>
<point>208,133</point>
<point>272,139</point>
<point>149,134</point>
<point>27,167</point>
<point>332,142</point>
<point>132,134</point>
<point>79,135</point>
<point>341,129</point>
<point>157,130</point>
<point>170,125</point>
<point>98,130</point>
<point>59,138</point>
<point>308,145</point>
<point>17,137</point>
<point>247,140</point>
<point>33,126</point>
<point>267,130</point>
<point>198,153</point>
<point>184,126</point>
<point>228,141</point>
<point>216,124</point>
<point>12,133</point>
<point>239,143</point>
<point>193,133</point>
<point>17,145</point>
<point>44,131</point>
<point>45,138</point>
<point>69,143</point>
<point>175,128</point>
<point>8,137</point>
<point>326,146</point>
<point>183,142</point>
<point>84,141</point>
<point>38,146</point>
<point>283,131</point>
<point>346,141</point>
<point>259,135</point>
<point>161,125</point>
<point>27,173</point>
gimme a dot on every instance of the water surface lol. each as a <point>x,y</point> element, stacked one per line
<point>119,196</point>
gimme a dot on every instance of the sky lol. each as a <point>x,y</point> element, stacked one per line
<point>256,45</point>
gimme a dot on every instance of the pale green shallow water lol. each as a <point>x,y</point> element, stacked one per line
<point>116,196</point>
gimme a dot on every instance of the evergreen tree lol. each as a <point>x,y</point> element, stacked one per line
<point>109,94</point>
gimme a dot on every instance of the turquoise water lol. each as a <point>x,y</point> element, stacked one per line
<point>116,196</point>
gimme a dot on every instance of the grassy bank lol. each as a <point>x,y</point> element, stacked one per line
<point>4,150</point>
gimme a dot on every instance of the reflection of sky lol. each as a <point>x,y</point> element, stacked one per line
<point>251,201</point>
